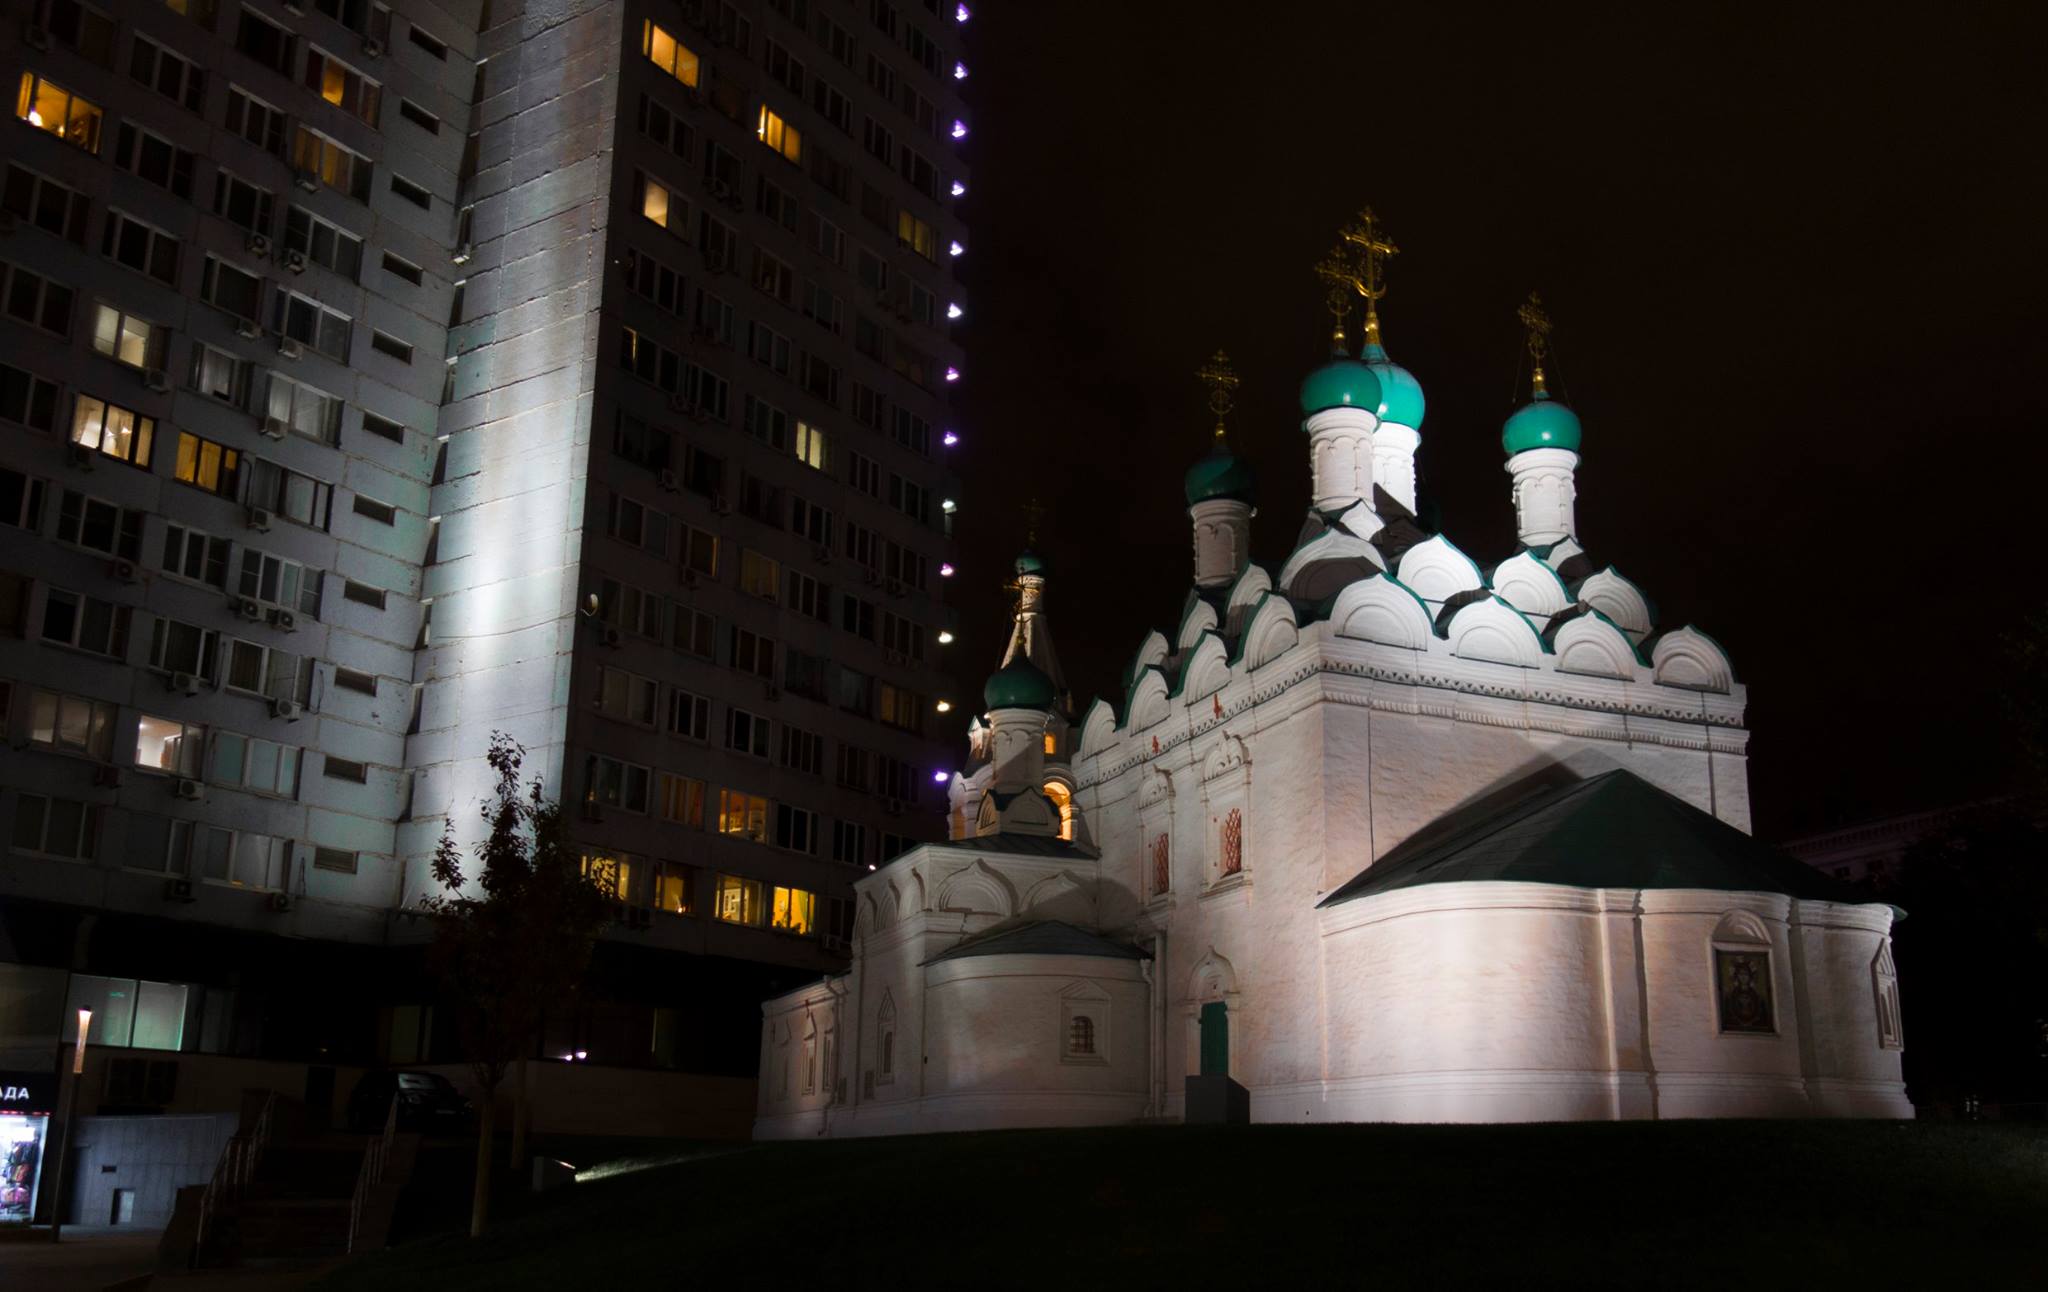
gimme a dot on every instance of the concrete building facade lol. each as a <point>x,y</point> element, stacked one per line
<point>381,377</point>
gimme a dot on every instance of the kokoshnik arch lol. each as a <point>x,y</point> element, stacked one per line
<point>1378,831</point>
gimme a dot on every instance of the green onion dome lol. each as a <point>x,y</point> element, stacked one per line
<point>1400,394</point>
<point>1030,562</point>
<point>1341,383</point>
<point>1019,684</point>
<point>1542,423</point>
<point>1221,474</point>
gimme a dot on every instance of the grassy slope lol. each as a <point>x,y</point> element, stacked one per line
<point>1670,1204</point>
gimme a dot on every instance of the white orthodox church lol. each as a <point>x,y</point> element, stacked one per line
<point>1381,832</point>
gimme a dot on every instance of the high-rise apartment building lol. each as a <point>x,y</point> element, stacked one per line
<point>376,378</point>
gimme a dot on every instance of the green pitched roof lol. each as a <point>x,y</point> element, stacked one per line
<point>1614,830</point>
<point>1040,938</point>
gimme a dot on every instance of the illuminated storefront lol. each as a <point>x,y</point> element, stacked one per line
<point>26,1101</point>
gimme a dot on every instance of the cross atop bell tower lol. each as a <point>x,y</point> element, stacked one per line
<point>1373,249</point>
<point>1222,381</point>
<point>1538,325</point>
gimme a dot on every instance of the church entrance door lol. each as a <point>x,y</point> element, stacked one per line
<point>1215,1039</point>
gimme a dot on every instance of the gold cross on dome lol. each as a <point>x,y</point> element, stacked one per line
<point>1034,511</point>
<point>1222,381</point>
<point>1339,271</point>
<point>1537,322</point>
<point>1374,249</point>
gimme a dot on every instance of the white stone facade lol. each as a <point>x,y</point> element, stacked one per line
<point>1244,886</point>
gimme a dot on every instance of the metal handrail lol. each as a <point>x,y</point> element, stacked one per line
<point>232,1174</point>
<point>375,1156</point>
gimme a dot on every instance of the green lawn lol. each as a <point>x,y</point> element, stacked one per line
<point>1695,1204</point>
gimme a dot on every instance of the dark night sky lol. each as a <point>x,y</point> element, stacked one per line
<point>1798,281</point>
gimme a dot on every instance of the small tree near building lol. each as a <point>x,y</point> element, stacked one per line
<point>511,941</point>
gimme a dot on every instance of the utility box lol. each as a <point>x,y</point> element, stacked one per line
<point>1217,1101</point>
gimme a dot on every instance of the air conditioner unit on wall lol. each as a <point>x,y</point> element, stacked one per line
<point>180,890</point>
<point>157,380</point>
<point>288,710</point>
<point>248,329</point>
<point>258,244</point>
<point>190,790</point>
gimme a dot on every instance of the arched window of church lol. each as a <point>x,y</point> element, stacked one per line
<point>1081,1035</point>
<point>1162,869</point>
<point>1230,860</point>
<point>1063,799</point>
<point>1052,744</point>
<point>1891,1033</point>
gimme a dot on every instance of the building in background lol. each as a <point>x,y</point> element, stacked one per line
<point>377,378</point>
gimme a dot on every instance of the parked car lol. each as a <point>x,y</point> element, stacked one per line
<point>427,1101</point>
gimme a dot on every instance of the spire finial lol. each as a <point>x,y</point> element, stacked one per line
<point>1538,324</point>
<point>1374,249</point>
<point>1034,511</point>
<point>1221,379</point>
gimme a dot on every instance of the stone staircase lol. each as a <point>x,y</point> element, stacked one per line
<point>311,1198</point>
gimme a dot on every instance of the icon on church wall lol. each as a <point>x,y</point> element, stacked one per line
<point>1744,980</point>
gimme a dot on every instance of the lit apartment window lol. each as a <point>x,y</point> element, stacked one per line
<point>780,135</point>
<point>671,888</point>
<point>664,206</point>
<point>917,235</point>
<point>738,900</point>
<point>120,433</point>
<point>333,165</point>
<point>167,745</point>
<point>207,465</point>
<point>668,53</point>
<point>72,724</point>
<point>342,85</point>
<point>795,911</point>
<point>809,443</point>
<point>744,815</point>
<point>126,339</point>
<point>760,576</point>
<point>681,800</point>
<point>50,107</point>
<point>613,876</point>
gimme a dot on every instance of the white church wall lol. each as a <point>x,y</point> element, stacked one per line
<point>999,1051</point>
<point>1855,1059</point>
<point>1468,1002</point>
<point>1703,1068</point>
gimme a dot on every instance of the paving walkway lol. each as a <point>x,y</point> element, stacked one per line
<point>94,1258</point>
<point>89,1258</point>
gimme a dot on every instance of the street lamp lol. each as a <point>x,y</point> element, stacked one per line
<point>67,1106</point>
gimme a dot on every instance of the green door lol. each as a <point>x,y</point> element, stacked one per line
<point>1215,1039</point>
